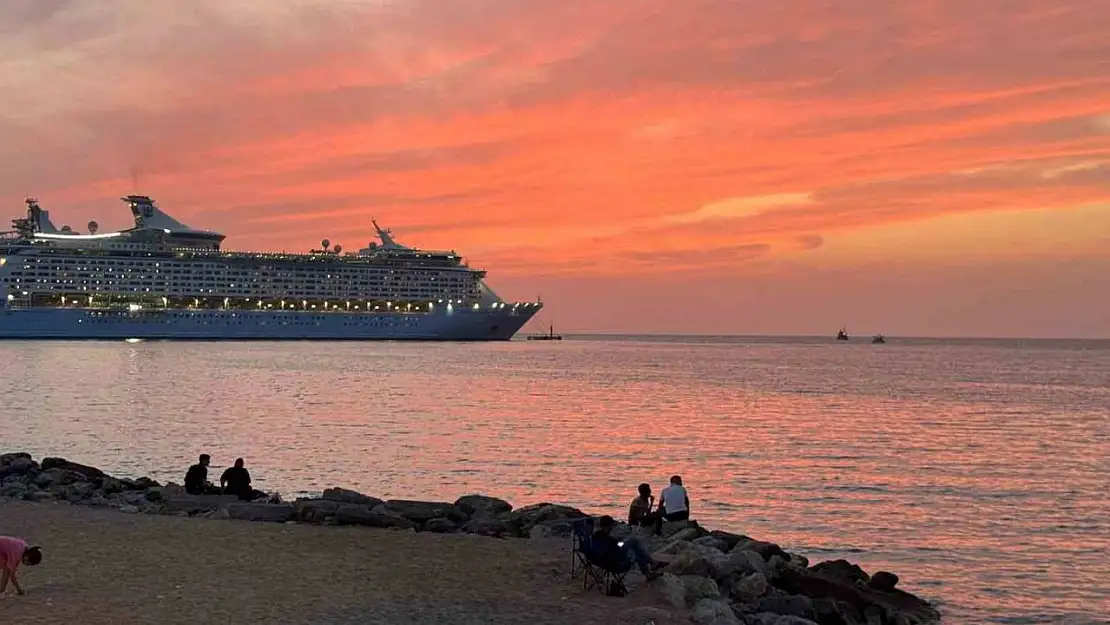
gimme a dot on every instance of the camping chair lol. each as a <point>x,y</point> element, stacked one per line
<point>594,575</point>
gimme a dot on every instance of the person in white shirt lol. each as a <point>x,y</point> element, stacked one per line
<point>674,501</point>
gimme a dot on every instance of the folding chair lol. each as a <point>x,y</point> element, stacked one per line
<point>594,575</point>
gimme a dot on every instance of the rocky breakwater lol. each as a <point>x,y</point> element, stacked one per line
<point>720,577</point>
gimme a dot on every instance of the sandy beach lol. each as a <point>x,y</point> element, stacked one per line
<point>102,566</point>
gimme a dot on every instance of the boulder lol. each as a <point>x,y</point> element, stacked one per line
<point>191,504</point>
<point>766,550</point>
<point>795,605</point>
<point>38,495</point>
<point>269,512</point>
<point>730,539</point>
<point>315,510</point>
<point>840,569</point>
<point>712,541</point>
<point>709,611</point>
<point>690,563</point>
<point>111,486</point>
<point>489,526</point>
<point>482,505</point>
<point>735,564</point>
<point>440,525</point>
<point>832,612</point>
<point>524,519</point>
<point>343,495</point>
<point>61,463</point>
<point>353,514</point>
<point>129,509</point>
<point>883,581</point>
<point>698,587</point>
<point>57,476</point>
<point>421,512</point>
<point>858,597</point>
<point>749,588</point>
<point>16,464</point>
<point>673,590</point>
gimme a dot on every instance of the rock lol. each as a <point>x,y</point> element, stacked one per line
<point>39,495</point>
<point>352,514</point>
<point>736,563</point>
<point>883,581</point>
<point>421,512</point>
<point>832,612</point>
<point>855,598</point>
<point>314,510</point>
<point>840,569</point>
<point>766,550</point>
<point>699,588</point>
<point>673,590</point>
<point>795,605</point>
<point>17,465</point>
<point>670,528</point>
<point>220,514</point>
<point>788,619</point>
<point>440,525</point>
<point>111,486</point>
<point>689,563</point>
<point>268,512</point>
<point>678,542</point>
<point>482,505</point>
<point>144,483</point>
<point>129,509</point>
<point>524,519</point>
<point>488,526</point>
<point>749,588</point>
<point>799,560</point>
<point>188,503</point>
<point>14,490</point>
<point>713,612</point>
<point>730,540</point>
<point>343,495</point>
<point>57,477</point>
<point>712,541</point>
<point>61,463</point>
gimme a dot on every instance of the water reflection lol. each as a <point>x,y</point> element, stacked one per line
<point>977,471</point>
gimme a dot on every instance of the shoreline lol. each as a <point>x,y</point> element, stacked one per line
<point>717,577</point>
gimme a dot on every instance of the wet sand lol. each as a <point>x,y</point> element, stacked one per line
<point>102,566</point>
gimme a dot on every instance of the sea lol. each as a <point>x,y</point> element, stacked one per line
<point>976,470</point>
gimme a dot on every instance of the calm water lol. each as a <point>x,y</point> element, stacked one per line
<point>977,471</point>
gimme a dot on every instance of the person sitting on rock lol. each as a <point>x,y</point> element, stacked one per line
<point>14,552</point>
<point>640,511</point>
<point>618,557</point>
<point>236,480</point>
<point>674,503</point>
<point>196,478</point>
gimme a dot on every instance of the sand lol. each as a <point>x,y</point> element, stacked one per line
<point>104,566</point>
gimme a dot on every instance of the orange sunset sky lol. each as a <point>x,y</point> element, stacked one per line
<point>913,167</point>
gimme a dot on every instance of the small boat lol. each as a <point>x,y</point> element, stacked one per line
<point>842,335</point>
<point>550,336</point>
<point>877,339</point>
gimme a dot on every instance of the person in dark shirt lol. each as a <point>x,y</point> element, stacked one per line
<point>619,556</point>
<point>196,478</point>
<point>236,480</point>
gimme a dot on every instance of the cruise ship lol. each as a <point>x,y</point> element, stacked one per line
<point>164,280</point>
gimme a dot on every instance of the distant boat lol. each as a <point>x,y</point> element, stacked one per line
<point>550,336</point>
<point>842,335</point>
<point>878,338</point>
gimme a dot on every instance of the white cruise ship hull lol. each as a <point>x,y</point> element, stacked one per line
<point>442,325</point>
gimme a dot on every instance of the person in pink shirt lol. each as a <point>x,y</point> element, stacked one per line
<point>14,552</point>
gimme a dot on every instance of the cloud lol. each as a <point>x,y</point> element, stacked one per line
<point>545,137</point>
<point>737,207</point>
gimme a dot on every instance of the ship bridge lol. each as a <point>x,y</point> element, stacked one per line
<point>149,217</point>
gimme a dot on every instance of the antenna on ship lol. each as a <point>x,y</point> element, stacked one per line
<point>135,179</point>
